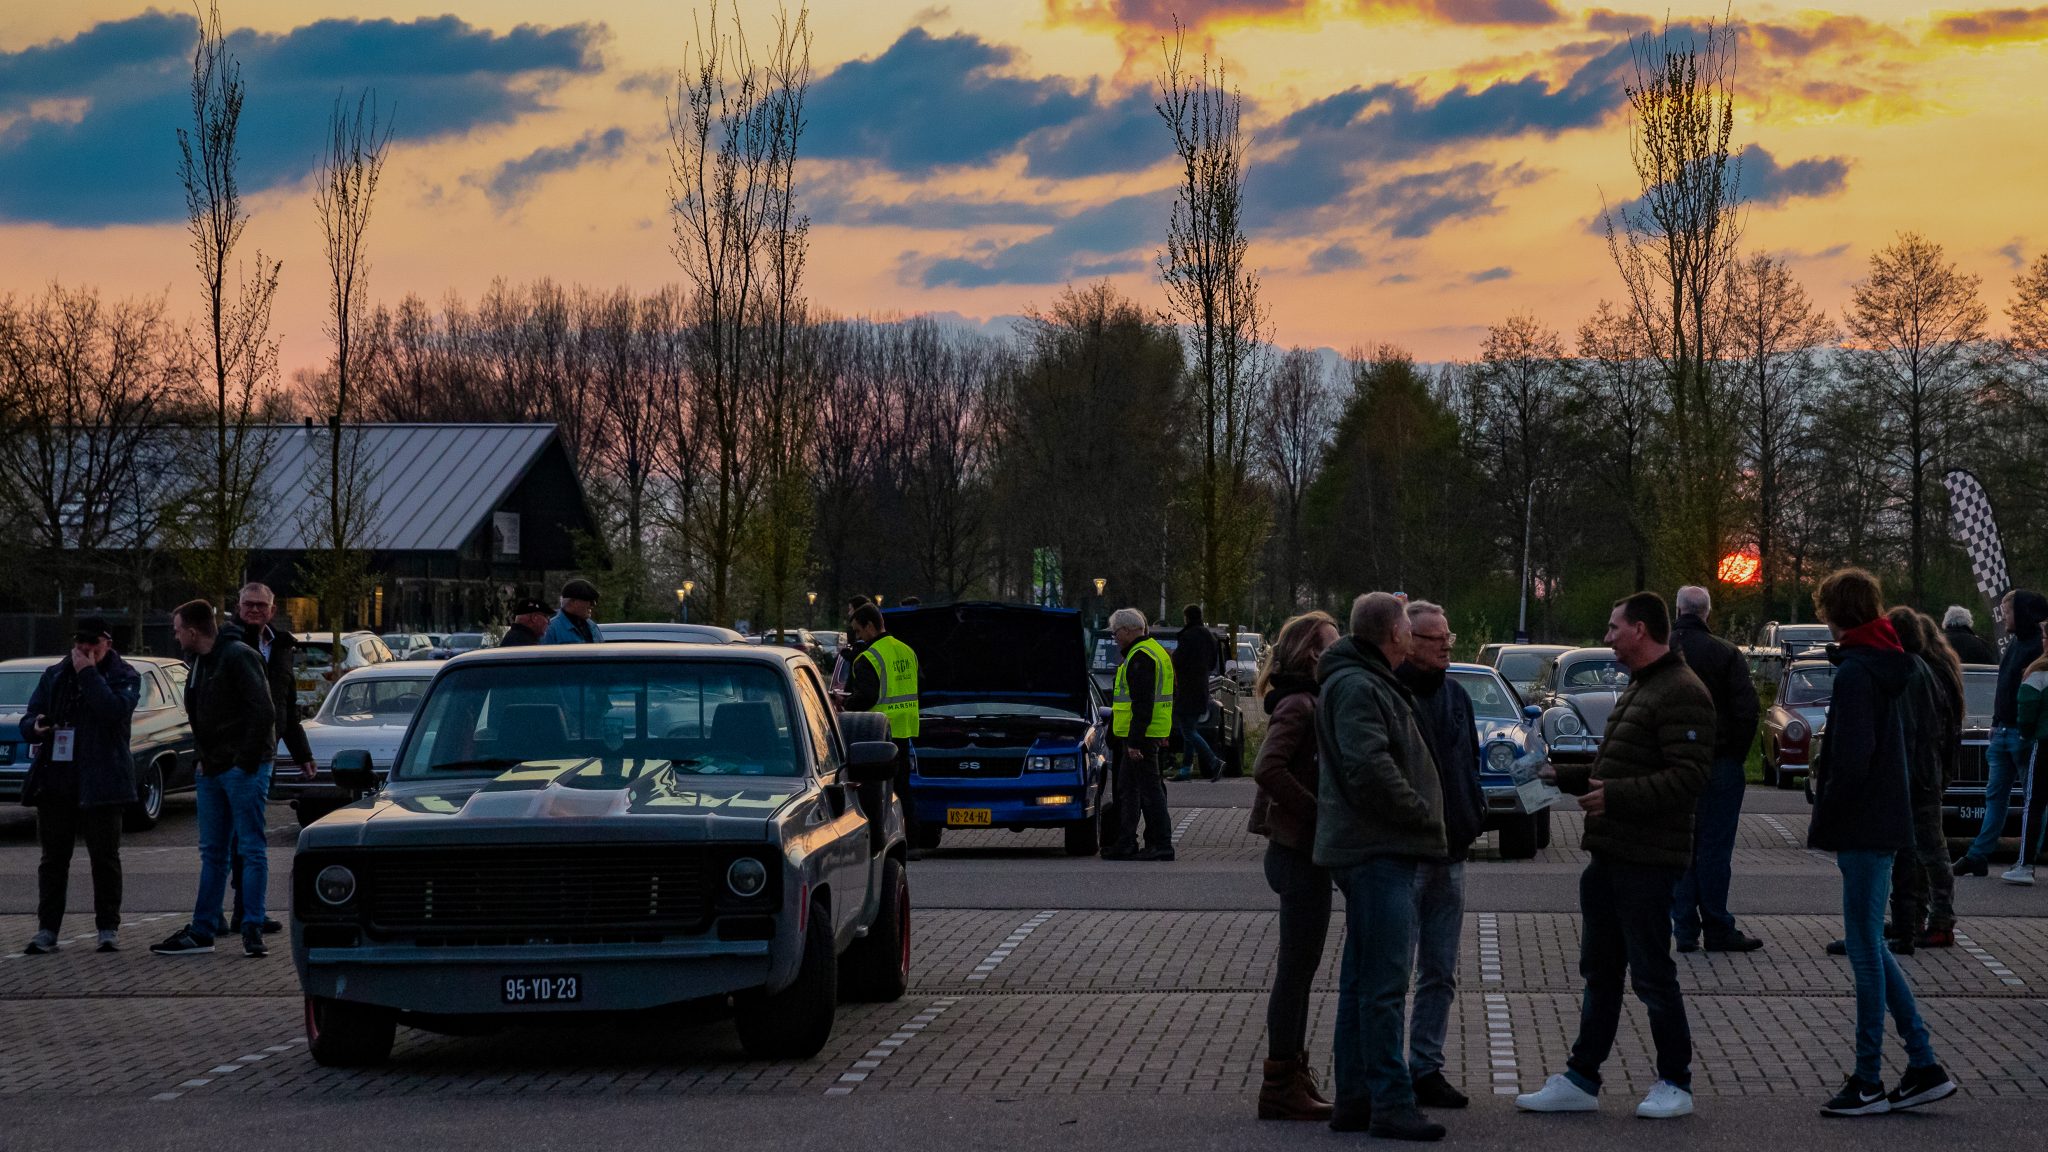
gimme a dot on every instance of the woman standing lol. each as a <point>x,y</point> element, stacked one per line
<point>1863,814</point>
<point>1923,888</point>
<point>2033,725</point>
<point>1285,813</point>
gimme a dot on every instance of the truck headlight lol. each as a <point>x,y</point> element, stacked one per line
<point>1500,757</point>
<point>1049,764</point>
<point>335,885</point>
<point>746,877</point>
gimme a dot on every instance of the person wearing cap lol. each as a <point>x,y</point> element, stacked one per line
<point>573,625</point>
<point>81,778</point>
<point>529,621</point>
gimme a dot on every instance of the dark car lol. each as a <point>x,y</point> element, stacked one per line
<point>160,738</point>
<point>1796,717</point>
<point>1223,727</point>
<point>1521,665</point>
<point>800,639</point>
<point>1962,806</point>
<point>1795,640</point>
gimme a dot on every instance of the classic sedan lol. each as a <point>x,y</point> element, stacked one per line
<point>160,735</point>
<point>1577,690</point>
<point>608,829</point>
<point>1795,640</point>
<point>314,661</point>
<point>671,634</point>
<point>368,709</point>
<point>1796,718</point>
<point>1962,805</point>
<point>1521,664</point>
<point>1506,727</point>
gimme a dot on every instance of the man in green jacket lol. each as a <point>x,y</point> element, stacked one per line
<point>1379,816</point>
<point>1638,796</point>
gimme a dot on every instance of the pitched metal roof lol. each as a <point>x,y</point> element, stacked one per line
<point>430,485</point>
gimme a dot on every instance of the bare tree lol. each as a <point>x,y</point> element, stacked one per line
<point>1619,393</point>
<point>1916,337</point>
<point>1673,246</point>
<point>945,381</point>
<point>784,421</point>
<point>242,357</point>
<point>1522,377</point>
<point>1294,432</point>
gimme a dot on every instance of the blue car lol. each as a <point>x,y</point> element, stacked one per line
<point>1506,726</point>
<point>1012,731</point>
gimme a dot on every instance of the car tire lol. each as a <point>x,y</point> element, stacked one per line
<point>1772,777</point>
<point>926,837</point>
<point>859,727</point>
<point>1083,838</point>
<point>794,1024</point>
<point>877,967</point>
<point>1518,839</point>
<point>1543,829</point>
<point>1105,824</point>
<point>344,1035</point>
<point>1789,780</point>
<point>148,808</point>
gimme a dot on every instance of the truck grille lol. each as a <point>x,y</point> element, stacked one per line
<point>525,890</point>
<point>970,767</point>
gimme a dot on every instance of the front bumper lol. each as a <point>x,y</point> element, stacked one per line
<point>1015,802</point>
<point>469,981</point>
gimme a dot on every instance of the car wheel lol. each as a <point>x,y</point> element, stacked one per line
<point>926,837</point>
<point>1543,829</point>
<point>794,1024</point>
<point>858,727</point>
<point>148,808</point>
<point>1518,839</point>
<point>877,968</point>
<point>1083,838</point>
<point>1789,779</point>
<point>1772,777</point>
<point>1105,824</point>
<point>345,1035</point>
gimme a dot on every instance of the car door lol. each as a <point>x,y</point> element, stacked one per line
<point>179,725</point>
<point>852,859</point>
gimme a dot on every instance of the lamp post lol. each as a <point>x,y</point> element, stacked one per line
<point>1100,584</point>
<point>810,610</point>
<point>683,598</point>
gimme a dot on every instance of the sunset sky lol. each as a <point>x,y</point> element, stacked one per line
<point>1422,167</point>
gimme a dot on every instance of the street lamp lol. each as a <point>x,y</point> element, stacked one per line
<point>810,610</point>
<point>683,598</point>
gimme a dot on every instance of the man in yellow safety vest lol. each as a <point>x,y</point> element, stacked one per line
<point>1141,722</point>
<point>884,679</point>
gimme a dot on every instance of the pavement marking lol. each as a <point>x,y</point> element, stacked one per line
<point>990,962</point>
<point>1489,949</point>
<point>1792,841</point>
<point>1181,829</point>
<point>1500,1047</point>
<point>1997,966</point>
<point>870,1060</point>
<point>228,1069</point>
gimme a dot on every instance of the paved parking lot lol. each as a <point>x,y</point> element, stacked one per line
<point>1037,977</point>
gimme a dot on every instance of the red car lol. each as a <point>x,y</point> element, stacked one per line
<point>1796,717</point>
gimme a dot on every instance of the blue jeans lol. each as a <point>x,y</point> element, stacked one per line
<point>1439,914</point>
<point>1196,746</point>
<point>1880,982</point>
<point>1372,983</point>
<point>1702,900</point>
<point>231,811</point>
<point>2002,761</point>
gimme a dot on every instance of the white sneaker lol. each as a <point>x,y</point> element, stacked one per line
<point>1559,1094</point>
<point>1664,1102</point>
<point>2020,874</point>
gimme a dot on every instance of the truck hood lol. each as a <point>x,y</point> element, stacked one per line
<point>550,800</point>
<point>983,651</point>
<point>1048,735</point>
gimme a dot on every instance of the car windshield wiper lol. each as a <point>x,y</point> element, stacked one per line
<point>478,763</point>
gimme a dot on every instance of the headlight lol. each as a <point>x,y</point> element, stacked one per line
<point>746,877</point>
<point>1038,764</point>
<point>1569,724</point>
<point>335,885</point>
<point>1500,757</point>
<point>1796,733</point>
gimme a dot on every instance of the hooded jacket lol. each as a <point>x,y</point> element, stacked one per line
<point>1286,772</point>
<point>281,672</point>
<point>1655,758</point>
<point>2028,610</point>
<point>1378,793</point>
<point>1726,674</point>
<point>1444,710</point>
<point>1194,662</point>
<point>98,705</point>
<point>1861,798</point>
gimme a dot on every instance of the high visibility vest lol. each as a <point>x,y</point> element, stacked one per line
<point>896,668</point>
<point>1161,724</point>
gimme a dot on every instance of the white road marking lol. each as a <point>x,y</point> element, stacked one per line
<point>1489,949</point>
<point>857,1073</point>
<point>1181,829</point>
<point>1997,966</point>
<point>1002,951</point>
<point>239,1063</point>
<point>1500,1047</point>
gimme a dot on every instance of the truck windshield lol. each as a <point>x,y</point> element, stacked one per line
<point>703,717</point>
<point>17,687</point>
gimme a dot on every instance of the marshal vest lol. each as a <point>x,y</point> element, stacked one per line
<point>896,667</point>
<point>1161,724</point>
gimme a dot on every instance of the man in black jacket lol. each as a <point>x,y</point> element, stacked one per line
<point>1700,907</point>
<point>81,778</point>
<point>234,724</point>
<point>254,625</point>
<point>2005,758</point>
<point>1194,662</point>
<point>1444,711</point>
<point>529,621</point>
<point>1961,629</point>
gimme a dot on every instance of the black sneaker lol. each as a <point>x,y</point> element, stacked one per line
<point>1121,854</point>
<point>1921,1086</point>
<point>271,927</point>
<point>252,941</point>
<point>1859,1098</point>
<point>1433,1091</point>
<point>1732,941</point>
<point>1351,1115</point>
<point>183,942</point>
<point>1405,1125</point>
<point>1688,944</point>
<point>1164,853</point>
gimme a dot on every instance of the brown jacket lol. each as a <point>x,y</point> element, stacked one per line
<point>1285,808</point>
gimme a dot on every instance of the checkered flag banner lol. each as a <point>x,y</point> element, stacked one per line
<point>1970,512</point>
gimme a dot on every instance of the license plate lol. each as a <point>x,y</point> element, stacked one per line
<point>533,990</point>
<point>967,817</point>
<point>1970,813</point>
<point>6,753</point>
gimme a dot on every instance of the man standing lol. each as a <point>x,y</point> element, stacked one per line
<point>573,625</point>
<point>2021,612</point>
<point>1444,711</point>
<point>1379,808</point>
<point>1639,796</point>
<point>1141,723</point>
<point>1961,629</point>
<point>81,777</point>
<point>529,620</point>
<point>1701,907</point>
<point>234,725</point>
<point>254,624</point>
<point>884,679</point>
<point>1194,661</point>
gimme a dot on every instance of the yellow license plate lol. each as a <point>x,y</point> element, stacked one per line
<point>967,817</point>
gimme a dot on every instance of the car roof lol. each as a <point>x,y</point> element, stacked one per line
<point>1477,669</point>
<point>1587,653</point>
<point>671,628</point>
<point>623,651</point>
<point>40,663</point>
<point>393,670</point>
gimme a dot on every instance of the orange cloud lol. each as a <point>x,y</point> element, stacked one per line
<point>1993,26</point>
<point>1160,15</point>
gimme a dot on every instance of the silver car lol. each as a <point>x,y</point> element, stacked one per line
<point>369,709</point>
<point>1577,691</point>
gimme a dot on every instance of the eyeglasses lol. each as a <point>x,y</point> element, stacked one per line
<point>257,605</point>
<point>1448,639</point>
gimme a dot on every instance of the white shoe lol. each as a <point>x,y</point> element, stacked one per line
<point>1665,1101</point>
<point>1559,1094</point>
<point>2020,874</point>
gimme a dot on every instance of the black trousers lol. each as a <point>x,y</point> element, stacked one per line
<point>1627,911</point>
<point>58,828</point>
<point>1140,791</point>
<point>1304,891</point>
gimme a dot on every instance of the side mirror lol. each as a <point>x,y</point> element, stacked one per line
<point>1532,711</point>
<point>353,773</point>
<point>1104,715</point>
<point>871,761</point>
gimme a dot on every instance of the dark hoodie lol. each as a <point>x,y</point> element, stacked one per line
<point>1861,800</point>
<point>2029,608</point>
<point>1445,710</point>
<point>1378,793</point>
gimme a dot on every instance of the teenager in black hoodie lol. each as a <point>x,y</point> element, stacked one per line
<point>2022,612</point>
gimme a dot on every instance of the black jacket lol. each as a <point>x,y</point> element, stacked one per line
<point>2028,610</point>
<point>519,636</point>
<point>281,672</point>
<point>1194,662</point>
<point>228,699</point>
<point>1726,674</point>
<point>1970,647</point>
<point>1445,711</point>
<point>98,705</point>
<point>1860,791</point>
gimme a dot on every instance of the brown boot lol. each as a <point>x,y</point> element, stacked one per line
<point>1289,1092</point>
<point>1307,1076</point>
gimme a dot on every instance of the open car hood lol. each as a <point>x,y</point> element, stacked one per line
<point>983,651</point>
